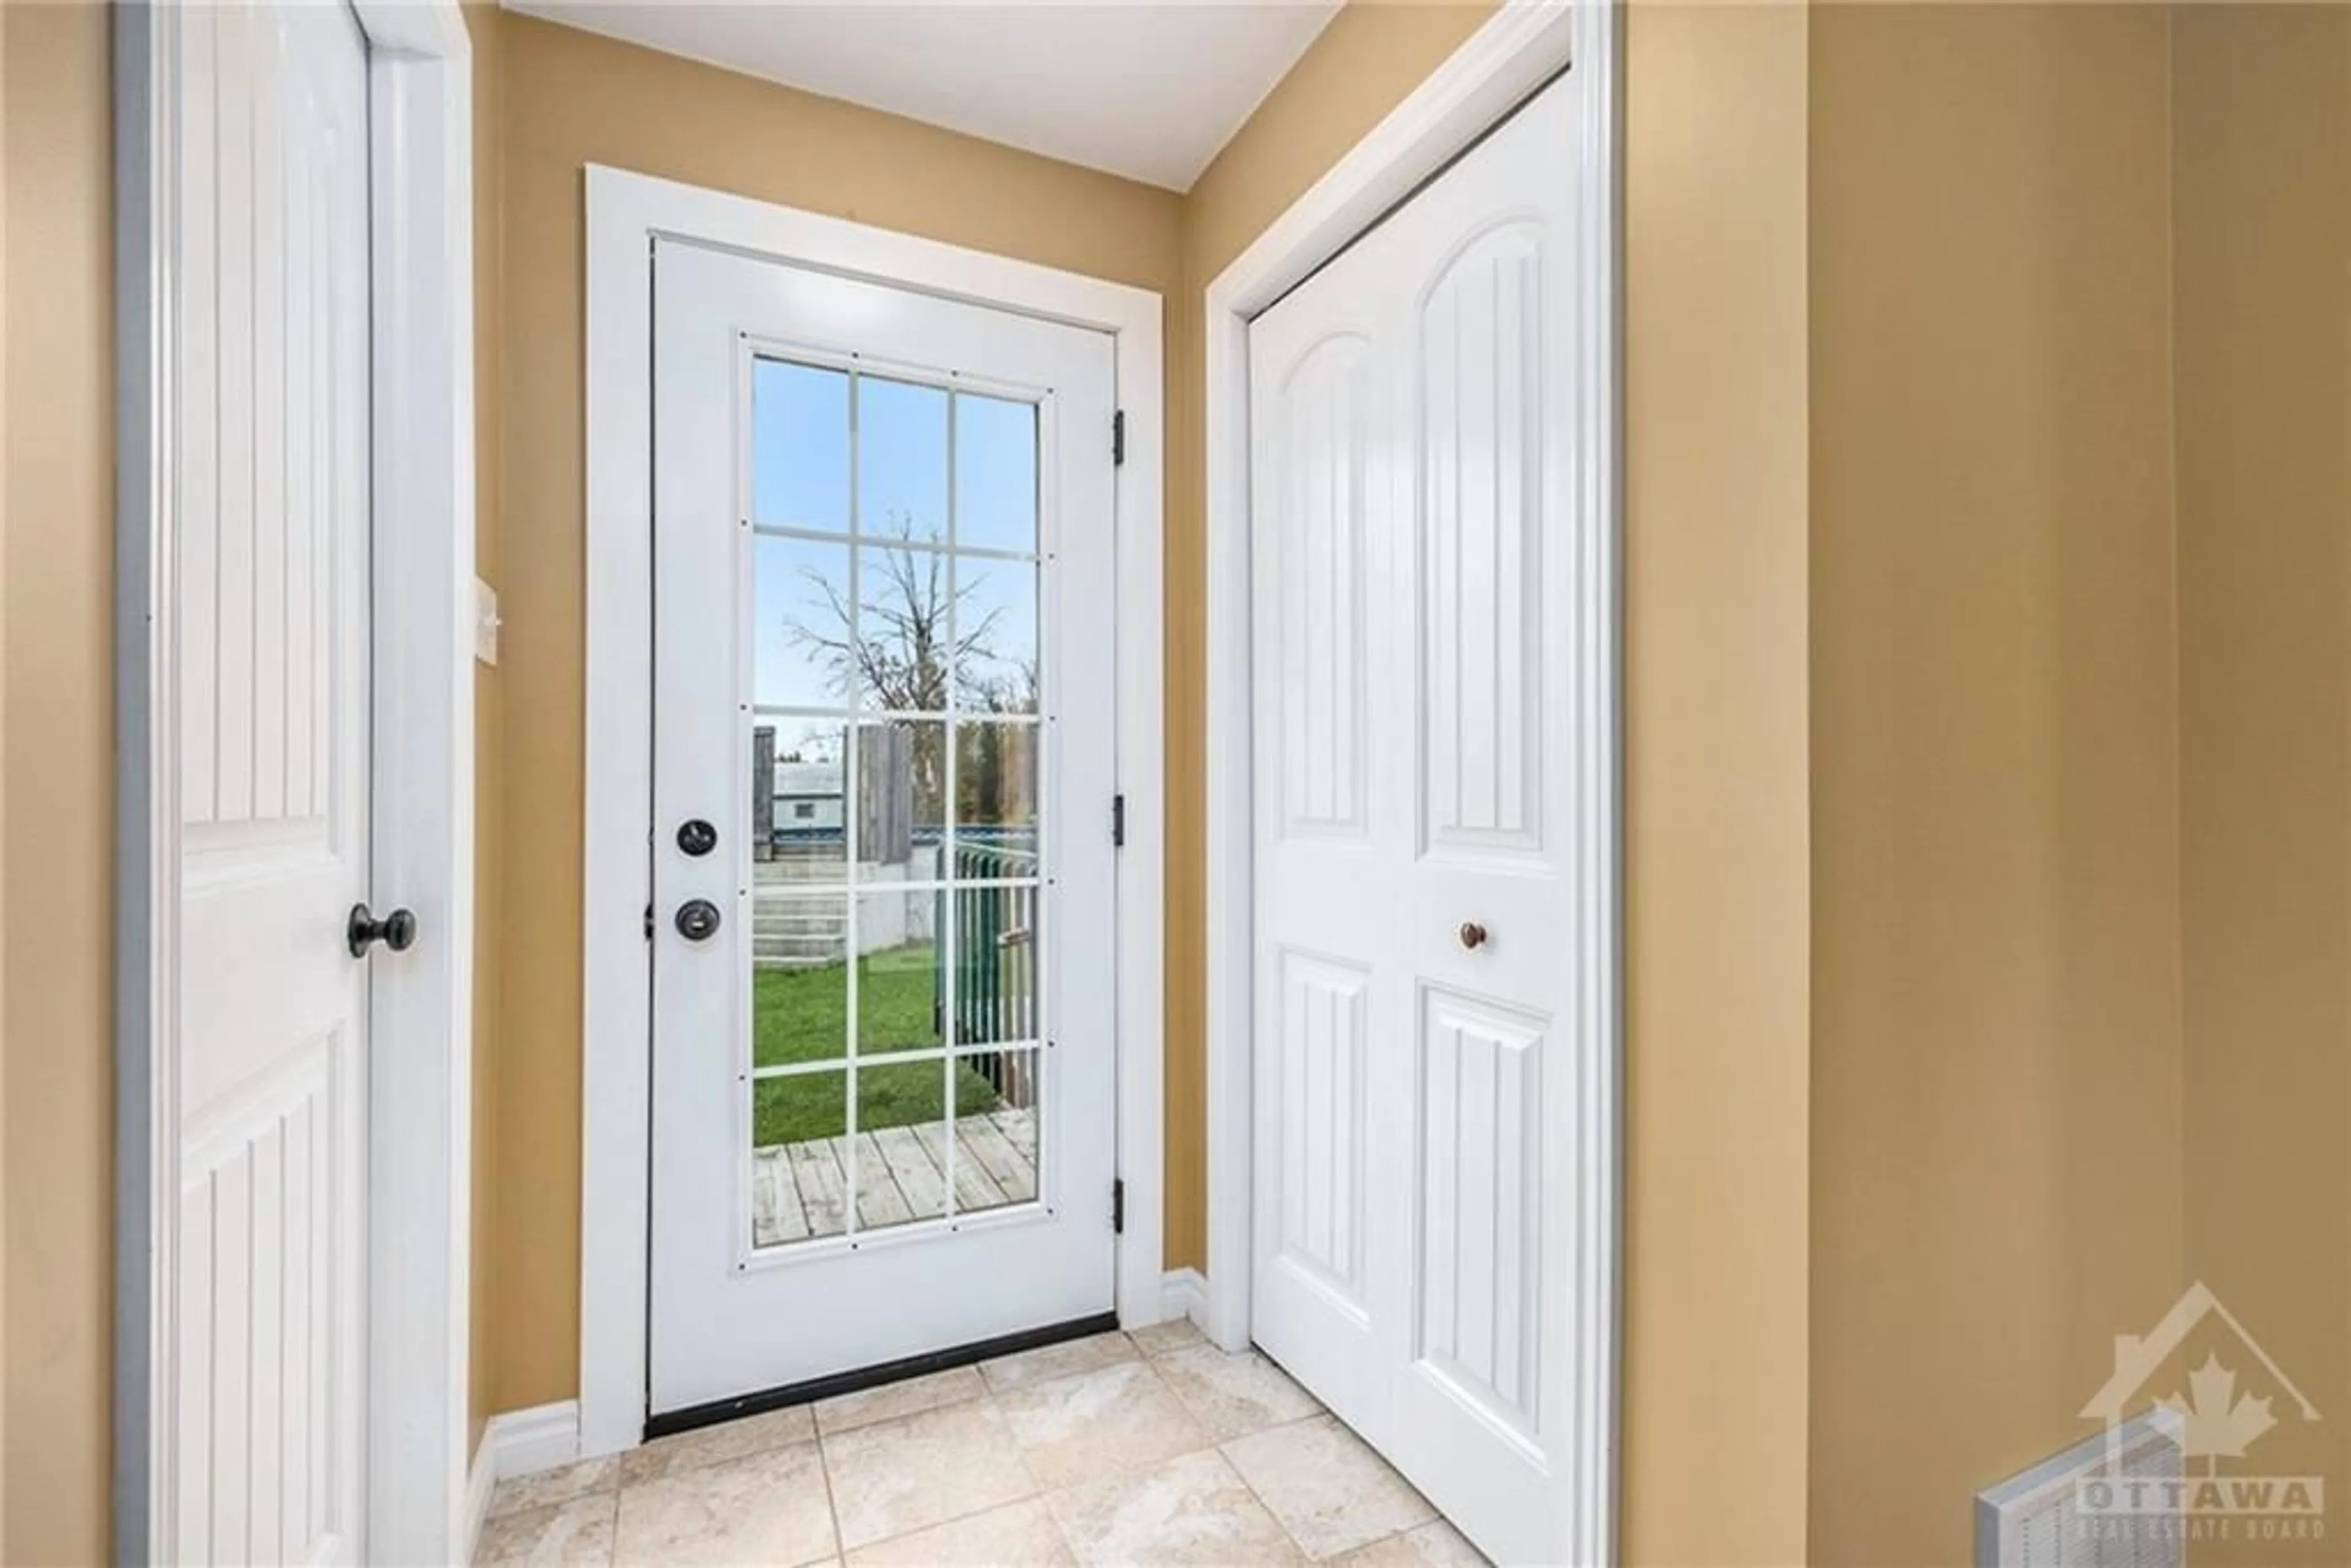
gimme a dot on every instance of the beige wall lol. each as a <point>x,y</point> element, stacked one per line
<point>613,104</point>
<point>1915,820</point>
<point>57,466</point>
<point>1718,497</point>
<point>1361,67</point>
<point>2263,395</point>
<point>1715,1316</point>
<point>489,728</point>
<point>569,99</point>
<point>1995,969</point>
<point>1717,895</point>
<point>55,675</point>
<point>4,785</point>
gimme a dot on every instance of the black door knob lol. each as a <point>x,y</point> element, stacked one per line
<point>697,920</point>
<point>697,837</point>
<point>396,930</point>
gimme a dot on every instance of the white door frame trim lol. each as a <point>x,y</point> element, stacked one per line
<point>421,1009</point>
<point>1520,48</point>
<point>626,212</point>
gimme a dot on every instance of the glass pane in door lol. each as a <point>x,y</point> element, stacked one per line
<point>799,985</point>
<point>995,989</point>
<point>995,1142</point>
<point>897,726</point>
<point>800,419</point>
<point>901,992</point>
<point>995,474</point>
<point>800,624</point>
<point>901,459</point>
<point>995,635</point>
<point>996,787</point>
<point>799,1191</point>
<point>899,1108</point>
<point>900,801</point>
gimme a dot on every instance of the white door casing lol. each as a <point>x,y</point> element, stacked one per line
<point>294,398</point>
<point>741,1299</point>
<point>626,215</point>
<point>273,501</point>
<point>1421,563</point>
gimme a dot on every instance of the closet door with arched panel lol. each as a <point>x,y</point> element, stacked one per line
<point>1417,577</point>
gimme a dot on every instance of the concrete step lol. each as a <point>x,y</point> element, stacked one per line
<point>802,868</point>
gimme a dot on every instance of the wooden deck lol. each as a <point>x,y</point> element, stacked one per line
<point>799,1191</point>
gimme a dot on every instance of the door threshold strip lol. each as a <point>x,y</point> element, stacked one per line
<point>669,1423</point>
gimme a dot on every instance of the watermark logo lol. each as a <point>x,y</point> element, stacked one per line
<point>2232,1399</point>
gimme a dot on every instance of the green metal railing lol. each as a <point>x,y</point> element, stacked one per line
<point>991,955</point>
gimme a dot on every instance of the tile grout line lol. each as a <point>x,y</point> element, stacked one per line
<point>1320,1412</point>
<point>1042,1495</point>
<point>1044,1498</point>
<point>547,1512</point>
<point>1216,1447</point>
<point>1213,1444</point>
<point>1149,1363</point>
<point>613,1555</point>
<point>1436,1515</point>
<point>831,1504</point>
<point>1257,1497</point>
<point>905,1414</point>
<point>1037,1493</point>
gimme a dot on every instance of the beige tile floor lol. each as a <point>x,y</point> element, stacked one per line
<point>1153,1447</point>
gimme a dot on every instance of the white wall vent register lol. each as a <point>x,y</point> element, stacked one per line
<point>2036,1518</point>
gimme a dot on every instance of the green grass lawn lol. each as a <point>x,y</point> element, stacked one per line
<point>802,1015</point>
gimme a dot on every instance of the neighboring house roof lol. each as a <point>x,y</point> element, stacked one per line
<point>807,778</point>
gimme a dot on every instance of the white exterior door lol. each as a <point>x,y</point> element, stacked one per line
<point>883,926</point>
<point>269,484</point>
<point>1415,1204</point>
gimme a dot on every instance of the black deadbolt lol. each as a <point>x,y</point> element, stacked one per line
<point>396,930</point>
<point>697,920</point>
<point>697,837</point>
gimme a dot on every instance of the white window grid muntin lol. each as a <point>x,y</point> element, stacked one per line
<point>911,1055</point>
<point>888,715</point>
<point>932,885</point>
<point>751,348</point>
<point>947,380</point>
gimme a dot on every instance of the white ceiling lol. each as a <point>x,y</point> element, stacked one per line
<point>1148,90</point>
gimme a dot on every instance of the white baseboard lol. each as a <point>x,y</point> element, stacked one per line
<point>518,1443</point>
<point>524,1442</point>
<point>481,1480</point>
<point>1184,1293</point>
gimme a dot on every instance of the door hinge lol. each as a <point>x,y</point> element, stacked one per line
<point>1118,439</point>
<point>1118,1207</point>
<point>1118,821</point>
<point>649,922</point>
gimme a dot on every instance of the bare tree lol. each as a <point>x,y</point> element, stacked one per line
<point>910,636</point>
<point>898,647</point>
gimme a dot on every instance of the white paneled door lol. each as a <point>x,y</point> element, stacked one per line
<point>269,488</point>
<point>1413,569</point>
<point>882,928</point>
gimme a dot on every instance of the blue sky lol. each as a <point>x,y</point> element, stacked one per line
<point>800,479</point>
<point>799,474</point>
